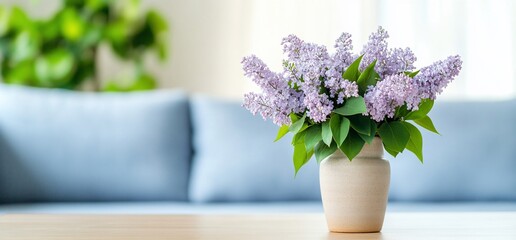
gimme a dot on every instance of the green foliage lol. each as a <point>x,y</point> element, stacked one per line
<point>322,151</point>
<point>352,145</point>
<point>361,124</point>
<point>298,138</point>
<point>62,51</point>
<point>339,128</point>
<point>282,132</point>
<point>368,77</point>
<point>368,138</point>
<point>395,135</point>
<point>427,123</point>
<point>412,74</point>
<point>300,156</point>
<point>352,71</point>
<point>313,136</point>
<point>415,143</point>
<point>326,133</point>
<point>352,106</point>
<point>424,108</point>
<point>297,125</point>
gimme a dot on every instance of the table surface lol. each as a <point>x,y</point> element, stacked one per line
<point>399,226</point>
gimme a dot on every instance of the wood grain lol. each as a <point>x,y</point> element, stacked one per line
<point>399,226</point>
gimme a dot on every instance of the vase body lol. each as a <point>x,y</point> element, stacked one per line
<point>354,194</point>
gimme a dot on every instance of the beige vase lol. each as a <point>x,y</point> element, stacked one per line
<point>354,194</point>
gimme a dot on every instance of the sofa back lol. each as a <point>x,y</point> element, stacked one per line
<point>474,158</point>
<point>58,145</point>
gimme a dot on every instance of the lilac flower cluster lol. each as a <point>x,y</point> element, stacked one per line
<point>434,78</point>
<point>278,100</point>
<point>388,61</point>
<point>392,92</point>
<point>311,81</point>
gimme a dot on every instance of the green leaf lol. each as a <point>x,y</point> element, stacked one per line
<point>281,132</point>
<point>345,124</point>
<point>395,135</point>
<point>352,106</point>
<point>372,133</point>
<point>352,145</point>
<point>143,82</point>
<point>326,133</point>
<point>361,124</point>
<point>21,73</point>
<point>415,143</point>
<point>72,25</point>
<point>424,108</point>
<point>313,136</point>
<point>309,155</point>
<point>300,156</point>
<point>297,125</point>
<point>401,111</point>
<point>352,72</point>
<point>368,77</point>
<point>299,138</point>
<point>391,152</point>
<point>322,151</point>
<point>54,68</point>
<point>293,117</point>
<point>339,128</point>
<point>335,127</point>
<point>412,74</point>
<point>427,123</point>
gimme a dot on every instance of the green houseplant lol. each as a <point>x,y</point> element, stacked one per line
<point>350,106</point>
<point>62,51</point>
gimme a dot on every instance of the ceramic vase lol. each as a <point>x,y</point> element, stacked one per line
<point>354,193</point>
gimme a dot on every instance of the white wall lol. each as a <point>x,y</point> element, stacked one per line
<point>209,38</point>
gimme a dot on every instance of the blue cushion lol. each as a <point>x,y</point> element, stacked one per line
<point>473,160</point>
<point>237,160</point>
<point>58,145</point>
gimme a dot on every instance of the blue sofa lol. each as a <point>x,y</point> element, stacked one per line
<point>166,152</point>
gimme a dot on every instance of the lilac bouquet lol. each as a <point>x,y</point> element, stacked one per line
<point>343,100</point>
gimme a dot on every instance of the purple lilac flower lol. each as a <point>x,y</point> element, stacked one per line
<point>400,60</point>
<point>336,84</point>
<point>338,87</point>
<point>292,46</point>
<point>319,106</point>
<point>260,74</point>
<point>310,62</point>
<point>433,79</point>
<point>278,99</point>
<point>343,56</point>
<point>376,49</point>
<point>390,93</point>
<point>389,61</point>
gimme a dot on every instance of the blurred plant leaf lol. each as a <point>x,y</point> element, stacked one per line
<point>25,46</point>
<point>72,26</point>
<point>143,82</point>
<point>63,48</point>
<point>54,68</point>
<point>21,73</point>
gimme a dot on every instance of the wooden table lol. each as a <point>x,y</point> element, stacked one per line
<point>399,226</point>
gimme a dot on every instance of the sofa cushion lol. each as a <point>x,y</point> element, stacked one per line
<point>474,158</point>
<point>58,145</point>
<point>237,160</point>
